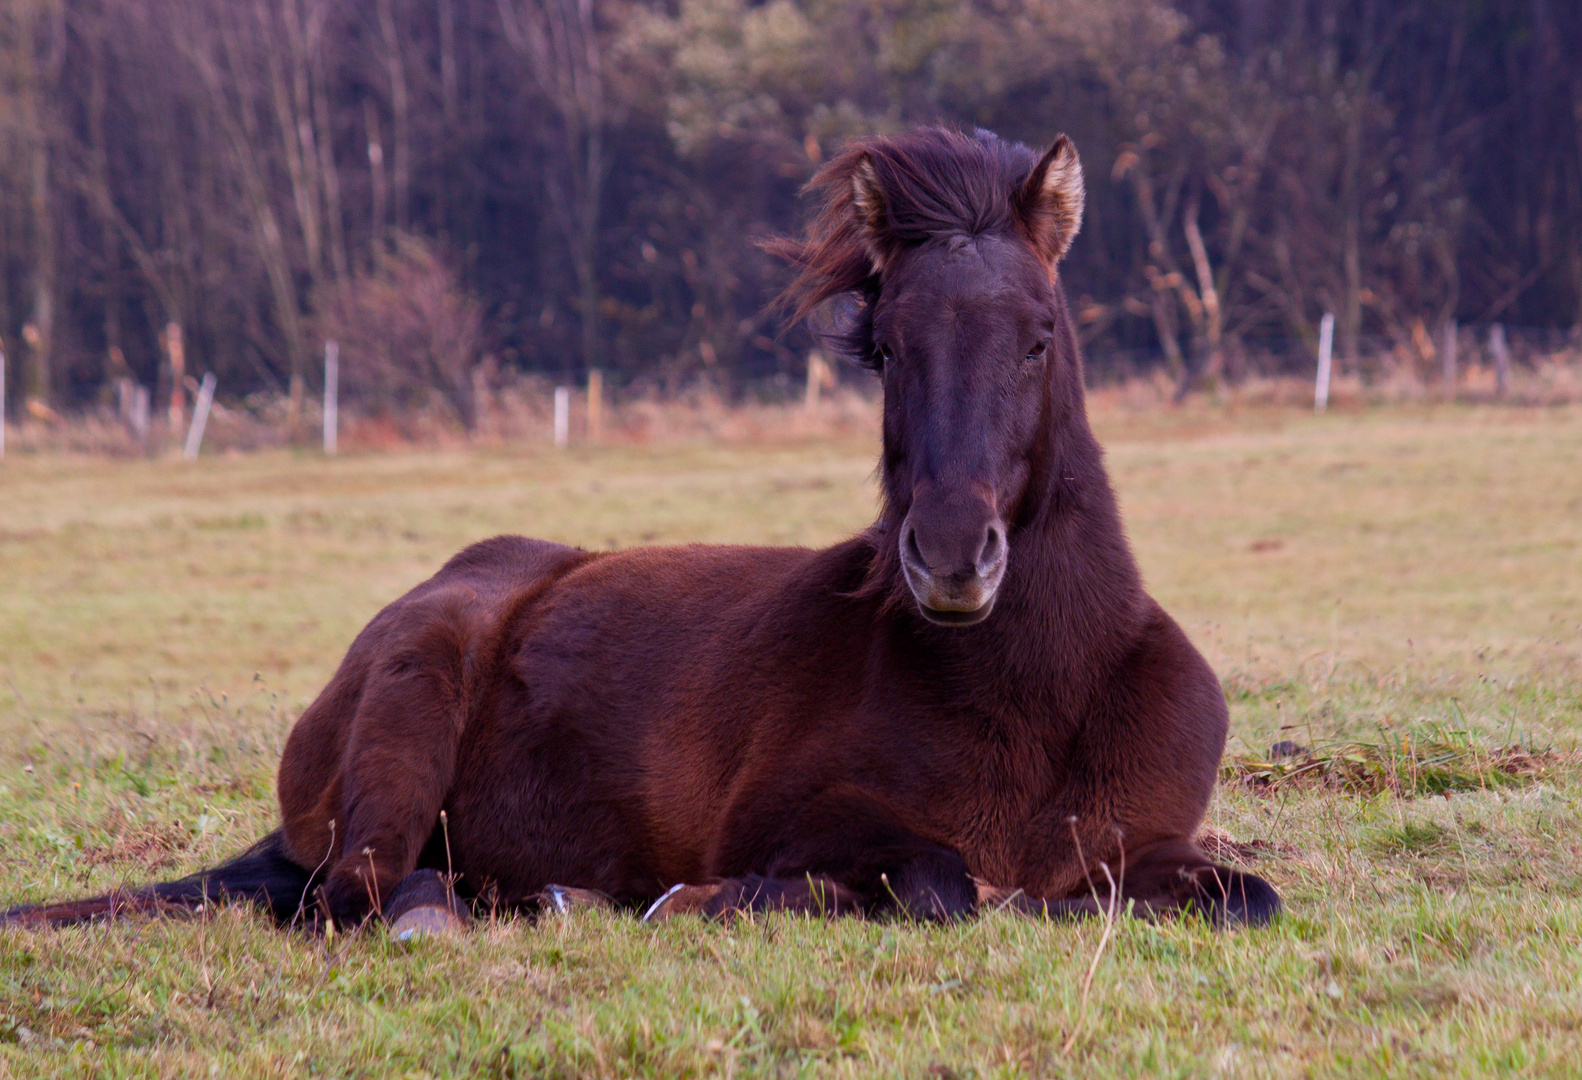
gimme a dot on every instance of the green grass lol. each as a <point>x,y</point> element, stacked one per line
<point>1400,593</point>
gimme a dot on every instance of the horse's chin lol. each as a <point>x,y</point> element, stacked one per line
<point>956,616</point>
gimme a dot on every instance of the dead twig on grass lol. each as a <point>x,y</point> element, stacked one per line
<point>1098,954</point>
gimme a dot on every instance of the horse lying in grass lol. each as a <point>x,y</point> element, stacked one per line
<point>973,700</point>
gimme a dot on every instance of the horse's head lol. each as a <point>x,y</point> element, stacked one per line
<point>950,244</point>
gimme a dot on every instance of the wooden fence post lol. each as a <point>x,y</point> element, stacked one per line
<point>1326,348</point>
<point>818,376</point>
<point>1502,359</point>
<point>562,415</point>
<point>200,418</point>
<point>332,396</point>
<point>595,405</point>
<point>2,404</point>
<point>178,377</point>
<point>1448,373</point>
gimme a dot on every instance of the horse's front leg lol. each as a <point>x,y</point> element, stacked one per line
<point>1177,877</point>
<point>1165,879</point>
<point>819,896</point>
<point>842,851</point>
<point>1122,829</point>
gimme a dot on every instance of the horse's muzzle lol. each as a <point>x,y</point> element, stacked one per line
<point>954,573</point>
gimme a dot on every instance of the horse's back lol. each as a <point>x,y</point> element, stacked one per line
<point>635,641</point>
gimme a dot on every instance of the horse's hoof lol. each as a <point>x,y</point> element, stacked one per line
<point>993,896</point>
<point>681,900</point>
<point>564,898</point>
<point>426,921</point>
<point>425,904</point>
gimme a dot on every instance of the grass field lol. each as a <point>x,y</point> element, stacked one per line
<point>1399,592</point>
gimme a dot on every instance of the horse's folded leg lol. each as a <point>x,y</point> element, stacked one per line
<point>1229,897</point>
<point>1177,877</point>
<point>564,898</point>
<point>424,904</point>
<point>734,896</point>
<point>683,899</point>
<point>992,898</point>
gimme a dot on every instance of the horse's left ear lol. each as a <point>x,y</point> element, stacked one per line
<point>1050,201</point>
<point>868,206</point>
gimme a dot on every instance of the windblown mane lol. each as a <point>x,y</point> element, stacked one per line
<point>938,183</point>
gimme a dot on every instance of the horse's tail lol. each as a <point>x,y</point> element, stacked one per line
<point>263,874</point>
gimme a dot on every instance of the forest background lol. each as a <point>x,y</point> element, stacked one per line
<point>462,190</point>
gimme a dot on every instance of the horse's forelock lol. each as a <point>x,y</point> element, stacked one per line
<point>935,182</point>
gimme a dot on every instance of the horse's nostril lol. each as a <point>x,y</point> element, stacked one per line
<point>910,549</point>
<point>993,549</point>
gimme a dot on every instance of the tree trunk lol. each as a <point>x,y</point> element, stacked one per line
<point>1351,256</point>
<point>376,174</point>
<point>36,378</point>
<point>399,108</point>
<point>559,40</point>
<point>40,48</point>
<point>1213,321</point>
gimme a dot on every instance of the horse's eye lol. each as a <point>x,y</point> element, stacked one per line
<point>1038,351</point>
<point>885,356</point>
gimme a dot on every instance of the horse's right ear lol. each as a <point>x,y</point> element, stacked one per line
<point>868,206</point>
<point>1050,201</point>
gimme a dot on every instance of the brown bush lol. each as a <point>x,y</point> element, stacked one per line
<point>409,335</point>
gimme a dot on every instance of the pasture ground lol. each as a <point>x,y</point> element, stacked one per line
<point>1400,592</point>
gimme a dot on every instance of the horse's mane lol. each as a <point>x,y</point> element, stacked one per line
<point>937,183</point>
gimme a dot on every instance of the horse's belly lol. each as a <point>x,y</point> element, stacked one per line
<point>538,803</point>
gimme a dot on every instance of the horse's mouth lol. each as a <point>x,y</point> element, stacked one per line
<point>962,605</point>
<point>956,616</point>
<point>953,600</point>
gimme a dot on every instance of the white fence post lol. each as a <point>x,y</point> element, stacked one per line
<point>2,404</point>
<point>332,396</point>
<point>139,419</point>
<point>1502,359</point>
<point>1452,339</point>
<point>200,417</point>
<point>562,415</point>
<point>1326,347</point>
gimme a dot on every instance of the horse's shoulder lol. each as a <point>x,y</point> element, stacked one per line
<point>704,573</point>
<point>1164,710</point>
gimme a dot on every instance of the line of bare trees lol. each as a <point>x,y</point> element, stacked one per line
<point>195,185</point>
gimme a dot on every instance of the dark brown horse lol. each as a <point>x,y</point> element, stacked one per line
<point>975,697</point>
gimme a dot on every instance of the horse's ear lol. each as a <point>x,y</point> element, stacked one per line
<point>1050,201</point>
<point>868,206</point>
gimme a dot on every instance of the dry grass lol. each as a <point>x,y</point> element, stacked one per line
<point>1396,591</point>
<point>1402,764</point>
